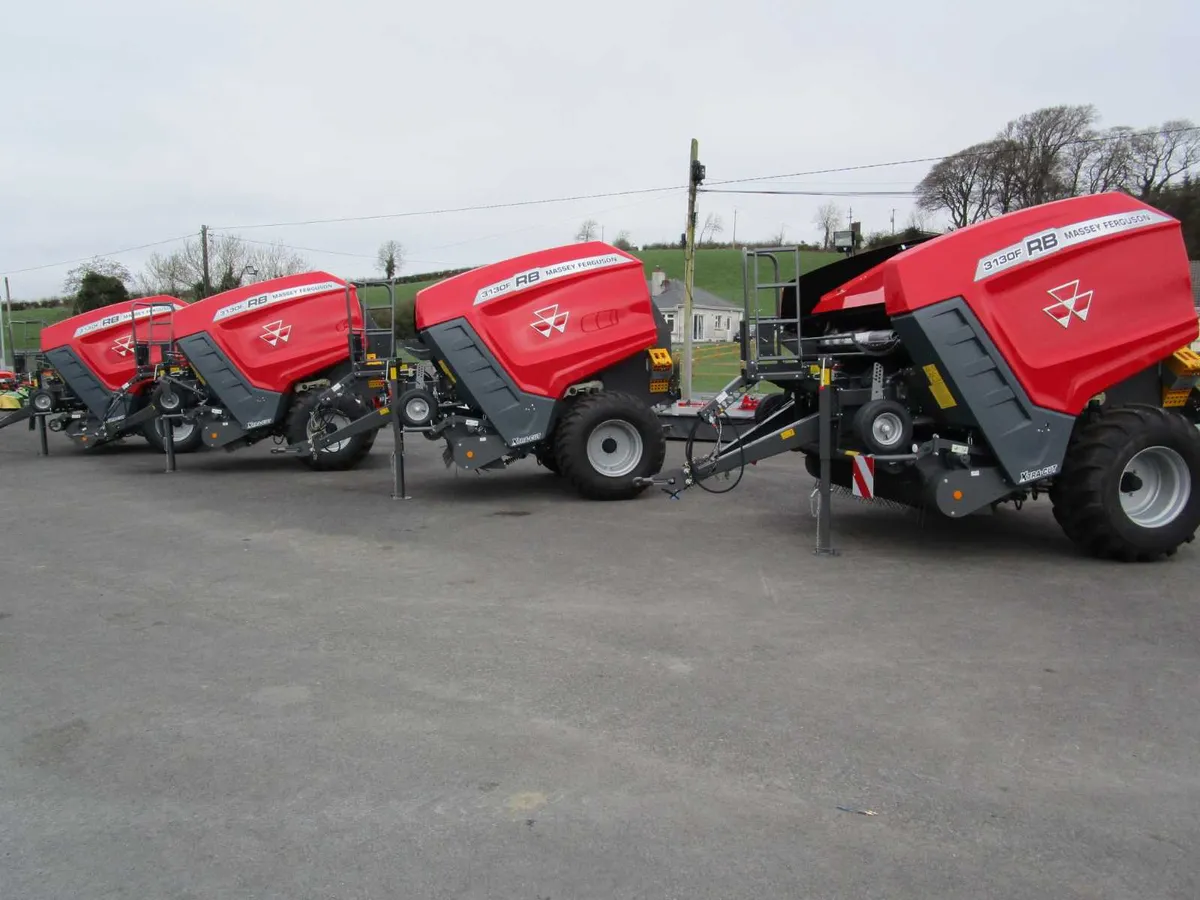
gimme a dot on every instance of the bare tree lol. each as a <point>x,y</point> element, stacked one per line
<point>622,241</point>
<point>1157,159</point>
<point>711,228</point>
<point>779,237</point>
<point>960,185</point>
<point>390,258</point>
<point>1099,161</point>
<point>828,219</point>
<point>275,261</point>
<point>99,265</point>
<point>230,260</point>
<point>1039,140</point>
<point>587,231</point>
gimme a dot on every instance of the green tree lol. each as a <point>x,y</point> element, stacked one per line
<point>96,290</point>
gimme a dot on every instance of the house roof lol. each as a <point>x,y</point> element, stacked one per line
<point>672,297</point>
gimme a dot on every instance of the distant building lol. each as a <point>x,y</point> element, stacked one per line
<point>714,319</point>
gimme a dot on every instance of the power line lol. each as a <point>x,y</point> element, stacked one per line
<point>814,193</point>
<point>928,159</point>
<point>67,262</point>
<point>458,209</point>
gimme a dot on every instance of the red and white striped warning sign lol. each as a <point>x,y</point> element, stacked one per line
<point>864,476</point>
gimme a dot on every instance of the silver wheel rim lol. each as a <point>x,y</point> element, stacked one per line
<point>180,431</point>
<point>327,423</point>
<point>169,401</point>
<point>887,429</point>
<point>43,402</point>
<point>416,410</point>
<point>614,448</point>
<point>1155,487</point>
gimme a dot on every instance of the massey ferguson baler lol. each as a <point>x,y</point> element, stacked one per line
<point>82,374</point>
<point>252,363</point>
<point>559,354</point>
<point>1045,351</point>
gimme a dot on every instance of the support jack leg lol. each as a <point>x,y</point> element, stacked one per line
<point>825,403</point>
<point>398,487</point>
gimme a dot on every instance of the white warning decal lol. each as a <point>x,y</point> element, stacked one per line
<point>530,277</point>
<point>127,316</point>
<point>260,300</point>
<point>1052,240</point>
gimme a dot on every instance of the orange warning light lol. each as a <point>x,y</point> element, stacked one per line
<point>958,495</point>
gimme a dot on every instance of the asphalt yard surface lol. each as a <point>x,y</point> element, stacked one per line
<point>247,680</point>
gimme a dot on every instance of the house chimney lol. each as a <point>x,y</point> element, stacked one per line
<point>657,279</point>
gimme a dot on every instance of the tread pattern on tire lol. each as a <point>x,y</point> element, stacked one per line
<point>570,444</point>
<point>296,429</point>
<point>1083,494</point>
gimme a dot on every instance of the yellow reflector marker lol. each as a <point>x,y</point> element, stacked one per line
<point>1175,399</point>
<point>790,433</point>
<point>383,410</point>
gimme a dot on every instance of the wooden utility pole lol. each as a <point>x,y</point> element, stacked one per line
<point>12,341</point>
<point>3,352</point>
<point>695,176</point>
<point>206,286</point>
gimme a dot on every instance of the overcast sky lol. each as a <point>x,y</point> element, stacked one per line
<point>127,122</point>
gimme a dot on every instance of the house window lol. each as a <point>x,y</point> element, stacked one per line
<point>697,327</point>
<point>669,318</point>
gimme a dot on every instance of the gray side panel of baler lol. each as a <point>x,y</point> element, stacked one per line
<point>79,378</point>
<point>1025,438</point>
<point>246,402</point>
<point>520,418</point>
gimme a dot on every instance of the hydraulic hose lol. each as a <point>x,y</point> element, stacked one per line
<point>687,454</point>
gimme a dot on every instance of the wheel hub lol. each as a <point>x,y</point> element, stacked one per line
<point>1155,487</point>
<point>614,448</point>
<point>328,422</point>
<point>417,409</point>
<point>887,428</point>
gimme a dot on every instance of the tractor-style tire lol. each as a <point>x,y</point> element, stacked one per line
<point>188,436</point>
<point>340,412</point>
<point>545,457</point>
<point>1129,489</point>
<point>607,440</point>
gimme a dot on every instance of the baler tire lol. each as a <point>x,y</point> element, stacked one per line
<point>349,404</point>
<point>1086,495</point>
<point>574,430</point>
<point>190,444</point>
<point>872,410</point>
<point>546,459</point>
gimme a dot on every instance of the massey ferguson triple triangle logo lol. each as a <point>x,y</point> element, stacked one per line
<point>274,332</point>
<point>123,346</point>
<point>548,320</point>
<point>1070,303</point>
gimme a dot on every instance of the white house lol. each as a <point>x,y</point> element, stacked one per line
<point>714,319</point>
